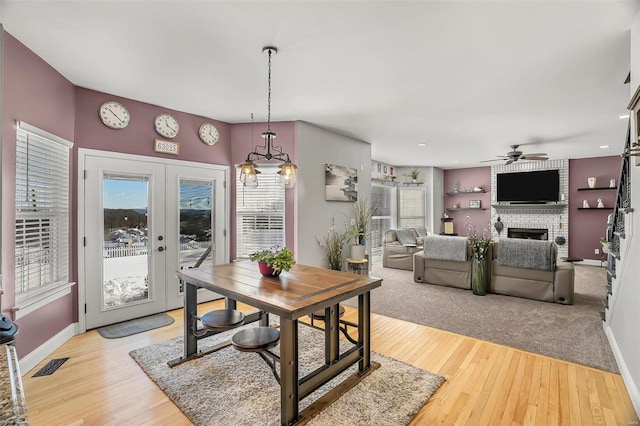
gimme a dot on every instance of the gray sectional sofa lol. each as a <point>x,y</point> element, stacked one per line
<point>522,268</point>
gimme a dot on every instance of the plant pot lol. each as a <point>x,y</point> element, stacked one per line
<point>605,248</point>
<point>267,270</point>
<point>479,277</point>
<point>357,251</point>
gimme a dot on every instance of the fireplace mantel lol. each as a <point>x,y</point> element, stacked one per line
<point>529,208</point>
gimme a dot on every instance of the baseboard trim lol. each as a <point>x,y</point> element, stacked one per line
<point>593,262</point>
<point>40,353</point>
<point>632,387</point>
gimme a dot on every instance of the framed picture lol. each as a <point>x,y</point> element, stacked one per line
<point>448,227</point>
<point>341,183</point>
<point>474,204</point>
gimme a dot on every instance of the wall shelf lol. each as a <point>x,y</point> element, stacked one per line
<point>596,189</point>
<point>465,192</point>
<point>529,208</point>
<point>595,208</point>
<point>464,208</point>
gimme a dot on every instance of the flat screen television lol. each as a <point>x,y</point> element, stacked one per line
<point>528,187</point>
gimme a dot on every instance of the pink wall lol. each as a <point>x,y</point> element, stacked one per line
<point>242,144</point>
<point>37,94</point>
<point>468,179</point>
<point>587,226</point>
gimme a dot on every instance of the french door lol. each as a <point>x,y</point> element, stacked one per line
<point>141,219</point>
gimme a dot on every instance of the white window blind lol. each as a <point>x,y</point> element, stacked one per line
<point>383,200</point>
<point>259,213</point>
<point>42,213</point>
<point>412,207</point>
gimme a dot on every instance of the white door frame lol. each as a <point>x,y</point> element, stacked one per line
<point>82,154</point>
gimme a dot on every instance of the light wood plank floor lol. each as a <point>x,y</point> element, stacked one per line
<point>486,384</point>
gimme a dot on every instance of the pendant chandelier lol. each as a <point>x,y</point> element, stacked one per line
<point>268,151</point>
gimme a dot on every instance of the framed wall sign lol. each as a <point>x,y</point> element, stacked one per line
<point>166,147</point>
<point>474,204</point>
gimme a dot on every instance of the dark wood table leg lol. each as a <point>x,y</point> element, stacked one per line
<point>190,311</point>
<point>332,335</point>
<point>364,331</point>
<point>288,371</point>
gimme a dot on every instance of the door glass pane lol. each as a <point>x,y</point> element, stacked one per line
<point>196,216</point>
<point>126,254</point>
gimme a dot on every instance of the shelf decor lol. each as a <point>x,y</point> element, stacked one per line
<point>474,204</point>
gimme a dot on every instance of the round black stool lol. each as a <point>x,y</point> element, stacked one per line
<point>256,339</point>
<point>259,340</point>
<point>220,320</point>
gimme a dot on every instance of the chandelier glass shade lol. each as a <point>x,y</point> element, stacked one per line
<point>268,151</point>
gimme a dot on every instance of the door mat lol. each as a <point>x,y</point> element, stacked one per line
<point>50,367</point>
<point>135,326</point>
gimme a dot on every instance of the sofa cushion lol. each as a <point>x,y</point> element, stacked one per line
<point>406,237</point>
<point>445,247</point>
<point>528,254</point>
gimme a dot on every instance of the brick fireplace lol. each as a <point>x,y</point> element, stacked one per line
<point>528,233</point>
<point>552,218</point>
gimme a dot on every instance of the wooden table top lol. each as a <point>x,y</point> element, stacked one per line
<point>293,294</point>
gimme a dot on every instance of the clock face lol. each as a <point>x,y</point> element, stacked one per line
<point>114,114</point>
<point>166,125</point>
<point>209,134</point>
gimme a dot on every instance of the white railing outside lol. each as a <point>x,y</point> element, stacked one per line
<point>138,249</point>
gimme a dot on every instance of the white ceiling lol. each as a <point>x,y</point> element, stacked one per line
<point>466,78</point>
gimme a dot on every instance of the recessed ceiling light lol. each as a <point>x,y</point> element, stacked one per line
<point>623,116</point>
<point>456,161</point>
<point>605,146</point>
<point>422,144</point>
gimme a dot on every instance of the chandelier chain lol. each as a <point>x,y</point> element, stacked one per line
<point>269,95</point>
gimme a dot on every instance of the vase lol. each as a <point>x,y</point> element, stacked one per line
<point>479,276</point>
<point>498,225</point>
<point>592,182</point>
<point>267,270</point>
<point>358,251</point>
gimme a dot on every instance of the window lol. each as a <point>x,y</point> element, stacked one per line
<point>383,199</point>
<point>42,214</point>
<point>259,213</point>
<point>411,207</point>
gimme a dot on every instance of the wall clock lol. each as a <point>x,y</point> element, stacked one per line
<point>166,125</point>
<point>114,115</point>
<point>209,134</point>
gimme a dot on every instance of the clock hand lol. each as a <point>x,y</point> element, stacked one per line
<point>115,115</point>
<point>165,122</point>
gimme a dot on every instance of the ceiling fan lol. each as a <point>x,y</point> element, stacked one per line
<point>516,155</point>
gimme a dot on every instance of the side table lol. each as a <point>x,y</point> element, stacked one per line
<point>358,266</point>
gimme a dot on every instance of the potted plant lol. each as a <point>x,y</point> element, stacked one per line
<point>273,260</point>
<point>333,245</point>
<point>413,174</point>
<point>360,228</point>
<point>605,245</point>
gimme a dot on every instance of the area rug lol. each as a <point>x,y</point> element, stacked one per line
<point>568,332</point>
<point>238,388</point>
<point>135,326</point>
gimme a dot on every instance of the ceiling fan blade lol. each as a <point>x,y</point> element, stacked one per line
<point>535,158</point>
<point>535,154</point>
<point>488,161</point>
<point>508,162</point>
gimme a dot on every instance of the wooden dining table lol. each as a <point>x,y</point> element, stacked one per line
<point>294,294</point>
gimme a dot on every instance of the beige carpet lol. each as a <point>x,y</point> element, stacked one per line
<point>237,388</point>
<point>568,332</point>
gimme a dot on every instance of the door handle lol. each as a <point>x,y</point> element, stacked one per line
<point>160,248</point>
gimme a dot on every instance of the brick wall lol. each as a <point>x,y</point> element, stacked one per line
<point>556,220</point>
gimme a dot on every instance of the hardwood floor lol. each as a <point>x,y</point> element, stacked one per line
<point>487,384</point>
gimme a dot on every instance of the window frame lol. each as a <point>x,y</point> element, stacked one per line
<point>269,220</point>
<point>30,295</point>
